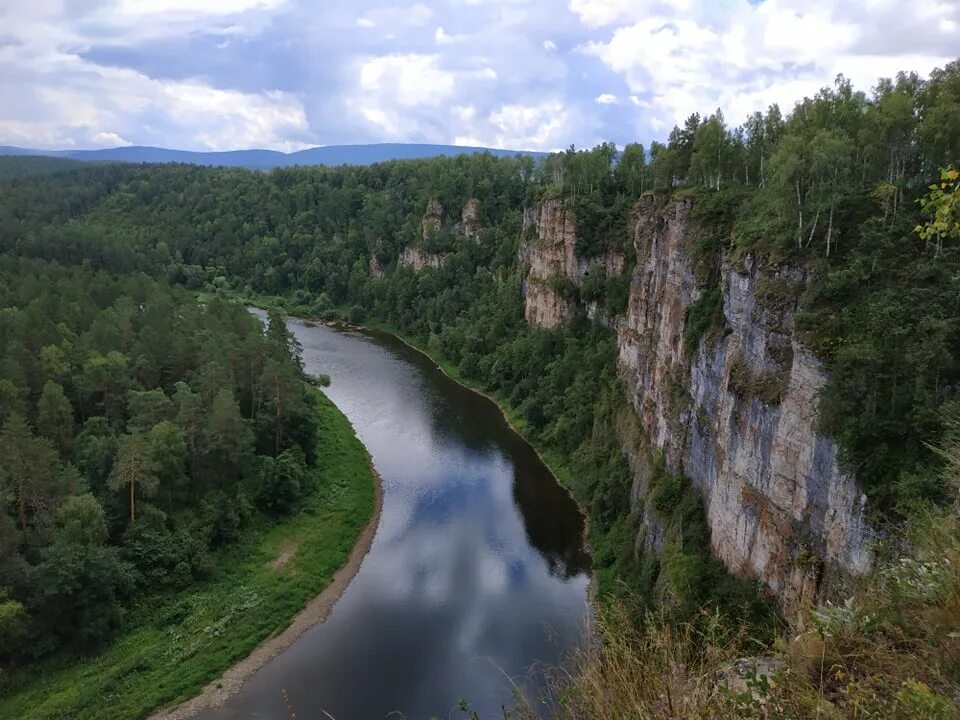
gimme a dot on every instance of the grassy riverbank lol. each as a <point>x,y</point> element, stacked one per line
<point>172,646</point>
<point>554,460</point>
<point>600,544</point>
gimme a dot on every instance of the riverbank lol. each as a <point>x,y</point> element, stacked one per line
<point>557,466</point>
<point>551,459</point>
<point>177,646</point>
<point>220,690</point>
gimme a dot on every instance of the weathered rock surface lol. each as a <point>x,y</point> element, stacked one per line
<point>431,223</point>
<point>738,418</point>
<point>432,219</point>
<point>469,223</point>
<point>414,257</point>
<point>776,501</point>
<point>551,253</point>
<point>377,269</point>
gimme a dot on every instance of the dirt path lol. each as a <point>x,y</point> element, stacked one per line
<point>217,692</point>
<point>288,550</point>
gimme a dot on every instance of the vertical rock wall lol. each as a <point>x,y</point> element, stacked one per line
<point>738,417</point>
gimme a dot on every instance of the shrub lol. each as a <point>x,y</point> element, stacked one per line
<point>703,314</point>
<point>281,482</point>
<point>356,314</point>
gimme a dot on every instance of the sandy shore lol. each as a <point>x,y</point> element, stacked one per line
<point>316,611</point>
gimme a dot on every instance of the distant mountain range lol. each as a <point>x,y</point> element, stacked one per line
<point>265,159</point>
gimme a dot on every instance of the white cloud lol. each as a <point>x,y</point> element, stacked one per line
<point>408,80</point>
<point>109,139</point>
<point>684,56</point>
<point>396,17</point>
<point>544,126</point>
<point>283,73</point>
<point>209,7</point>
<point>65,100</point>
<point>598,13</point>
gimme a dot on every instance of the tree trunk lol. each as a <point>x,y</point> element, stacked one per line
<point>799,218</point>
<point>829,230</point>
<point>133,513</point>
<point>813,230</point>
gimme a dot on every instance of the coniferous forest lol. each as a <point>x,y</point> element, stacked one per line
<point>148,418</point>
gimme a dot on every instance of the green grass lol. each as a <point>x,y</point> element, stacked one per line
<point>172,647</point>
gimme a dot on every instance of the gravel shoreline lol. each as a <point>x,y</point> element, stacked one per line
<point>316,611</point>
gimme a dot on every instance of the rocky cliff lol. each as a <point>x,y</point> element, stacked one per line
<point>548,254</point>
<point>734,410</point>
<point>469,222</point>
<point>416,256</point>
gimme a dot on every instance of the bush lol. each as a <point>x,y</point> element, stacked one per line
<point>282,481</point>
<point>78,592</point>
<point>617,294</point>
<point>165,559</point>
<point>356,314</point>
<point>703,314</point>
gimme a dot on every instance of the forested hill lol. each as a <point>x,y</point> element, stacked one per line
<point>139,434</point>
<point>837,191</point>
<point>265,159</point>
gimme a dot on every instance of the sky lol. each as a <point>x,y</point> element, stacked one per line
<point>517,74</point>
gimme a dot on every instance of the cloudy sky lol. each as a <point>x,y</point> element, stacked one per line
<point>521,74</point>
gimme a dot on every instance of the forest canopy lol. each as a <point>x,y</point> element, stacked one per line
<point>140,429</point>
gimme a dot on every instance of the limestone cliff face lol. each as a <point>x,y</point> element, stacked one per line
<point>432,218</point>
<point>430,224</point>
<point>377,270</point>
<point>469,223</point>
<point>739,417</point>
<point>414,257</point>
<point>549,253</point>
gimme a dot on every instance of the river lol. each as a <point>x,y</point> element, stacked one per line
<point>477,573</point>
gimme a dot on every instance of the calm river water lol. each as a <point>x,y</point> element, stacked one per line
<point>477,572</point>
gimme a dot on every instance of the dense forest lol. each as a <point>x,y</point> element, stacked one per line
<point>139,432</point>
<point>132,416</point>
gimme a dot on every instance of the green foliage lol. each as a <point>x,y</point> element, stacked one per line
<point>172,644</point>
<point>778,294</point>
<point>81,521</point>
<point>617,294</point>
<point>565,288</point>
<point>79,590</point>
<point>703,315</point>
<point>356,314</point>
<point>282,481</point>
<point>830,188</point>
<point>30,166</point>
<point>601,223</point>
<point>747,383</point>
<point>885,322</point>
<point>133,422</point>
<point>942,206</point>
